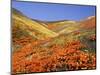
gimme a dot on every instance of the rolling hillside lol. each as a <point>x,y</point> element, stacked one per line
<point>28,25</point>
<point>39,46</point>
<point>89,23</point>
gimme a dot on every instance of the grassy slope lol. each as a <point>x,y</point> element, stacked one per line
<point>26,23</point>
<point>76,31</point>
<point>59,25</point>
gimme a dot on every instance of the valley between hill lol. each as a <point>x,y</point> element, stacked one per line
<point>39,46</point>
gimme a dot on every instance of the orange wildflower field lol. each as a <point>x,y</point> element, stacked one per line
<point>41,46</point>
